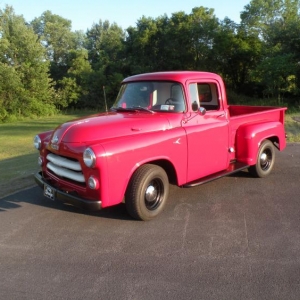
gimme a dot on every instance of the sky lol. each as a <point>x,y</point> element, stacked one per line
<point>84,13</point>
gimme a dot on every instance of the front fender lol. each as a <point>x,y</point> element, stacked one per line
<point>250,136</point>
<point>125,155</point>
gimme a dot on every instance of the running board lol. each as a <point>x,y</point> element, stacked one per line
<point>233,168</point>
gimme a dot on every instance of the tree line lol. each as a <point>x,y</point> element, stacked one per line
<point>46,67</point>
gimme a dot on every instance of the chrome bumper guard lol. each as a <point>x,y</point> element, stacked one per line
<point>68,198</point>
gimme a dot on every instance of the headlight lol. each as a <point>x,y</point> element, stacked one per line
<point>89,157</point>
<point>37,142</point>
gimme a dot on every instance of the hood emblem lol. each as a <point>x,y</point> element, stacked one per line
<point>54,139</point>
<point>54,142</point>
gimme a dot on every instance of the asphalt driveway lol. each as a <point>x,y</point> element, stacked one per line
<point>235,238</point>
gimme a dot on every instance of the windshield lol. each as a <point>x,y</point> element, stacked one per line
<point>151,95</point>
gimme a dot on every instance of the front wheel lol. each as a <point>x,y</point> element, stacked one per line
<point>265,160</point>
<point>147,192</point>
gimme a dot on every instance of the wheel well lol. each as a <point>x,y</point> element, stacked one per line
<point>168,167</point>
<point>274,140</point>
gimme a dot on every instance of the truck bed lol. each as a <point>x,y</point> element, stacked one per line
<point>241,114</point>
<point>237,110</point>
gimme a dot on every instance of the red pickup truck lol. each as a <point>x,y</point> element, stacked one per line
<point>164,127</point>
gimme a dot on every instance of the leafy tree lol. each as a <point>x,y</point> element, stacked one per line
<point>104,43</point>
<point>136,45</point>
<point>180,42</point>
<point>204,26</point>
<point>277,75</point>
<point>23,61</point>
<point>55,35</point>
<point>236,52</point>
<point>260,14</point>
<point>74,86</point>
<point>106,55</point>
<point>261,54</point>
<point>142,42</point>
<point>11,91</point>
<point>277,24</point>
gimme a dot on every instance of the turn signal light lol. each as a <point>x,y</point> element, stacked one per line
<point>93,183</point>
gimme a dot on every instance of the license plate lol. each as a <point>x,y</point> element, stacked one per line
<point>49,192</point>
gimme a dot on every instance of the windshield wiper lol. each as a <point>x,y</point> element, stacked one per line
<point>142,108</point>
<point>132,108</point>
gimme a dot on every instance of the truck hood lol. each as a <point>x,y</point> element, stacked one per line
<point>107,126</point>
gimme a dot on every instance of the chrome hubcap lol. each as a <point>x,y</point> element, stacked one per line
<point>266,159</point>
<point>263,158</point>
<point>151,193</point>
<point>154,194</point>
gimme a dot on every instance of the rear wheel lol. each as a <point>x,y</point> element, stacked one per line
<point>147,192</point>
<point>265,160</point>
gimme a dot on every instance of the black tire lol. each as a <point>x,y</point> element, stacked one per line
<point>265,160</point>
<point>147,192</point>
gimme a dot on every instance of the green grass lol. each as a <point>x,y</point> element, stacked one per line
<point>18,158</point>
<point>292,127</point>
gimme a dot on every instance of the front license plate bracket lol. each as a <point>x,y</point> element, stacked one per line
<point>49,192</point>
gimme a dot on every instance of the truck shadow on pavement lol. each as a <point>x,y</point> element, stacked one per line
<point>34,196</point>
<point>242,174</point>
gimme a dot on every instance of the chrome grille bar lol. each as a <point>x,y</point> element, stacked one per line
<point>64,162</point>
<point>63,172</point>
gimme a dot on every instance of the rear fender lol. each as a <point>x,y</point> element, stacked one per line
<point>250,136</point>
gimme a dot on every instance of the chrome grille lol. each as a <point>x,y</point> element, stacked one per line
<point>64,167</point>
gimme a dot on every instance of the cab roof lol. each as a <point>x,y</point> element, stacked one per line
<point>179,76</point>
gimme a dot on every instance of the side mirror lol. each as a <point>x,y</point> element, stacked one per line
<point>202,111</point>
<point>195,106</point>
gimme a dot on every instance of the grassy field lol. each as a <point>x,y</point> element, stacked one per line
<point>18,158</point>
<point>292,127</point>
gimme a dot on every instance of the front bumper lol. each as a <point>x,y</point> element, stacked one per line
<point>66,197</point>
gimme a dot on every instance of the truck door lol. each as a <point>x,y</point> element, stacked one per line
<point>207,135</point>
